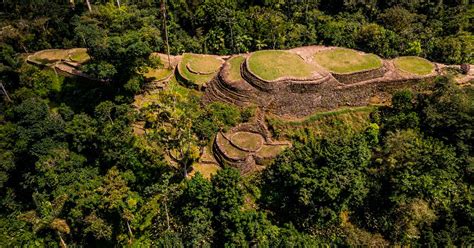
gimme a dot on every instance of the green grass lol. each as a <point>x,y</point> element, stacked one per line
<point>158,74</point>
<point>270,151</point>
<point>414,65</point>
<point>207,170</point>
<point>341,60</point>
<point>246,140</point>
<point>272,64</point>
<point>79,55</point>
<point>50,56</point>
<point>234,72</point>
<point>231,150</point>
<point>339,120</point>
<point>199,63</point>
<point>204,64</point>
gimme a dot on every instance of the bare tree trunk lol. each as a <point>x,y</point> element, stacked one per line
<point>231,37</point>
<point>118,3</point>
<point>163,9</point>
<point>5,92</point>
<point>63,244</point>
<point>130,232</point>
<point>24,48</point>
<point>89,5</point>
<point>167,215</point>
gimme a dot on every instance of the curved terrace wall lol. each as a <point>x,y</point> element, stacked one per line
<point>244,164</point>
<point>350,78</point>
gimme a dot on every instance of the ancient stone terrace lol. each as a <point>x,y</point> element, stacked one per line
<point>304,80</point>
<point>290,83</point>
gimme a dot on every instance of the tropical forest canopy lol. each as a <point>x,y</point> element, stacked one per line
<point>74,172</point>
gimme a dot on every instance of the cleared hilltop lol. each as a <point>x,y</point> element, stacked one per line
<point>290,84</point>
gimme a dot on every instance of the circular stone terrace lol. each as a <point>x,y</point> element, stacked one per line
<point>347,61</point>
<point>414,65</point>
<point>244,149</point>
<point>197,69</point>
<point>247,141</point>
<point>273,69</point>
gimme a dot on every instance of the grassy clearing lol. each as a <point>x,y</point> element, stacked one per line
<point>204,64</point>
<point>414,65</point>
<point>270,151</point>
<point>199,63</point>
<point>272,64</point>
<point>234,72</point>
<point>207,170</point>
<point>79,55</point>
<point>50,56</point>
<point>158,74</point>
<point>341,60</point>
<point>250,141</point>
<point>338,121</point>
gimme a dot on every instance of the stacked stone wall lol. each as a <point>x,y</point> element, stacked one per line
<point>350,78</point>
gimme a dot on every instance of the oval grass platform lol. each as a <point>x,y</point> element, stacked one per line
<point>206,64</point>
<point>247,141</point>
<point>342,61</point>
<point>270,65</point>
<point>414,65</point>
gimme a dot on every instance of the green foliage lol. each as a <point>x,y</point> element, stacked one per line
<point>312,183</point>
<point>72,172</point>
<point>218,116</point>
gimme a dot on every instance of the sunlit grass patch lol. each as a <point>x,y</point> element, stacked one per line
<point>204,64</point>
<point>414,65</point>
<point>247,140</point>
<point>158,73</point>
<point>341,60</point>
<point>270,151</point>
<point>234,72</point>
<point>50,56</point>
<point>232,150</point>
<point>206,169</point>
<point>273,64</point>
<point>79,55</point>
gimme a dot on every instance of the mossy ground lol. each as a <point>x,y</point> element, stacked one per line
<point>273,64</point>
<point>414,65</point>
<point>199,63</point>
<point>234,72</point>
<point>341,60</point>
<point>79,55</point>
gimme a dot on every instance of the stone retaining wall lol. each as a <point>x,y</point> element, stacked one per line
<point>181,78</point>
<point>198,72</point>
<point>244,165</point>
<point>350,78</point>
